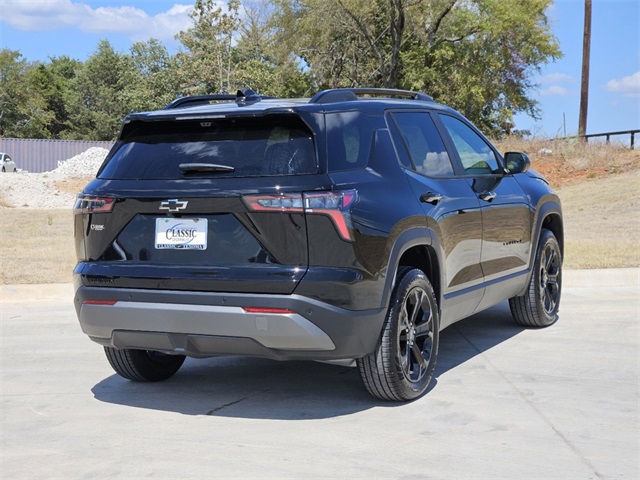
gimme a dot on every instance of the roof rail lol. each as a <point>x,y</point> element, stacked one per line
<point>199,100</point>
<point>242,98</point>
<point>349,94</point>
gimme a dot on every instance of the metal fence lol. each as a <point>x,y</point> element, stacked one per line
<point>34,155</point>
<point>608,136</point>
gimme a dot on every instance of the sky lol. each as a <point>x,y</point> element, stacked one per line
<point>40,29</point>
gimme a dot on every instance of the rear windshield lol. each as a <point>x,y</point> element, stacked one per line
<point>266,146</point>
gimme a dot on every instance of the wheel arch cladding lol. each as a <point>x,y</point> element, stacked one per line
<point>424,258</point>
<point>417,247</point>
<point>553,222</point>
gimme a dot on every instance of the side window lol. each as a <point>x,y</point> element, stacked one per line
<point>476,156</point>
<point>349,137</point>
<point>424,144</point>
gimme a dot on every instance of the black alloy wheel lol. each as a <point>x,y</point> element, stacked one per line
<point>415,336</point>
<point>549,279</point>
<point>402,365</point>
<point>540,304</point>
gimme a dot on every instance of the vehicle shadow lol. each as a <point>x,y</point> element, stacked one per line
<point>265,389</point>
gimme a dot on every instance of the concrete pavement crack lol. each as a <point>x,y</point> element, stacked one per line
<point>217,409</point>
<point>533,406</point>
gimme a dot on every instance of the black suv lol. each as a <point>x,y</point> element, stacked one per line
<point>352,226</point>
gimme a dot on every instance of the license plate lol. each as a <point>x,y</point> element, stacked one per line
<point>181,233</point>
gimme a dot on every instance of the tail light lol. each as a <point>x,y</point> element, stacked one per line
<point>93,204</point>
<point>335,205</point>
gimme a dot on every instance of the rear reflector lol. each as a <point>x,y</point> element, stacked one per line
<point>99,302</point>
<point>279,311</point>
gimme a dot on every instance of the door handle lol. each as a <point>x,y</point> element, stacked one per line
<point>487,196</point>
<point>430,197</point>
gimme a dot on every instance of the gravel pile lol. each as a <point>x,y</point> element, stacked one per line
<point>43,190</point>
<point>83,165</point>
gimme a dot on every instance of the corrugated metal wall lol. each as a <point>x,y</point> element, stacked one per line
<point>43,155</point>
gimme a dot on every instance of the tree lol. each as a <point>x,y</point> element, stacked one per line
<point>205,66</point>
<point>23,111</point>
<point>50,81</point>
<point>98,97</point>
<point>259,61</point>
<point>476,55</point>
<point>156,82</point>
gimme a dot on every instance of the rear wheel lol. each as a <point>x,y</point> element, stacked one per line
<point>402,365</point>
<point>143,365</point>
<point>539,306</point>
<point>3,170</point>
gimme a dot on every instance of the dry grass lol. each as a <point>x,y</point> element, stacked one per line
<point>72,185</point>
<point>36,246</point>
<point>602,222</point>
<point>572,161</point>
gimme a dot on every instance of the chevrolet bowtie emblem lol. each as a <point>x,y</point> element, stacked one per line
<point>173,205</point>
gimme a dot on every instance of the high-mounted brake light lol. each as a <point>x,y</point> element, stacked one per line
<point>336,205</point>
<point>93,204</point>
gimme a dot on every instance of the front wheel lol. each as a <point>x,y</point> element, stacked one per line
<point>402,365</point>
<point>539,306</point>
<point>143,365</point>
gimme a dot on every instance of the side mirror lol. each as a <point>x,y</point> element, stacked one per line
<point>517,162</point>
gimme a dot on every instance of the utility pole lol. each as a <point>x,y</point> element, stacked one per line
<point>586,54</point>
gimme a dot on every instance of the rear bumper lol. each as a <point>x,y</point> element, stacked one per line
<point>202,324</point>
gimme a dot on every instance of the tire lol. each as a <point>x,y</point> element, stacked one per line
<point>143,365</point>
<point>540,305</point>
<point>402,365</point>
<point>3,170</point>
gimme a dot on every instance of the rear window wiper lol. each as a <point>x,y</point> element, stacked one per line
<point>205,168</point>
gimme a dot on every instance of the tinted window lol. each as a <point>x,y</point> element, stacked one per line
<point>476,156</point>
<point>349,137</point>
<point>276,145</point>
<point>424,144</point>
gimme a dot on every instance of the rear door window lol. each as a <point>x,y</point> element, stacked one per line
<point>424,144</point>
<point>266,146</point>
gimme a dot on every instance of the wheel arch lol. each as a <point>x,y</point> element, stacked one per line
<point>416,248</point>
<point>553,222</point>
<point>549,216</point>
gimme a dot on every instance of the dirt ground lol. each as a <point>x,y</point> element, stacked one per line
<point>572,162</point>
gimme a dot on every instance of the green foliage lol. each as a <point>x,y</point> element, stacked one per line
<point>23,111</point>
<point>261,63</point>
<point>98,98</point>
<point>205,66</point>
<point>478,56</point>
<point>155,82</point>
<point>51,82</point>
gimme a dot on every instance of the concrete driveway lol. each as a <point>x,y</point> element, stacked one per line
<point>506,402</point>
